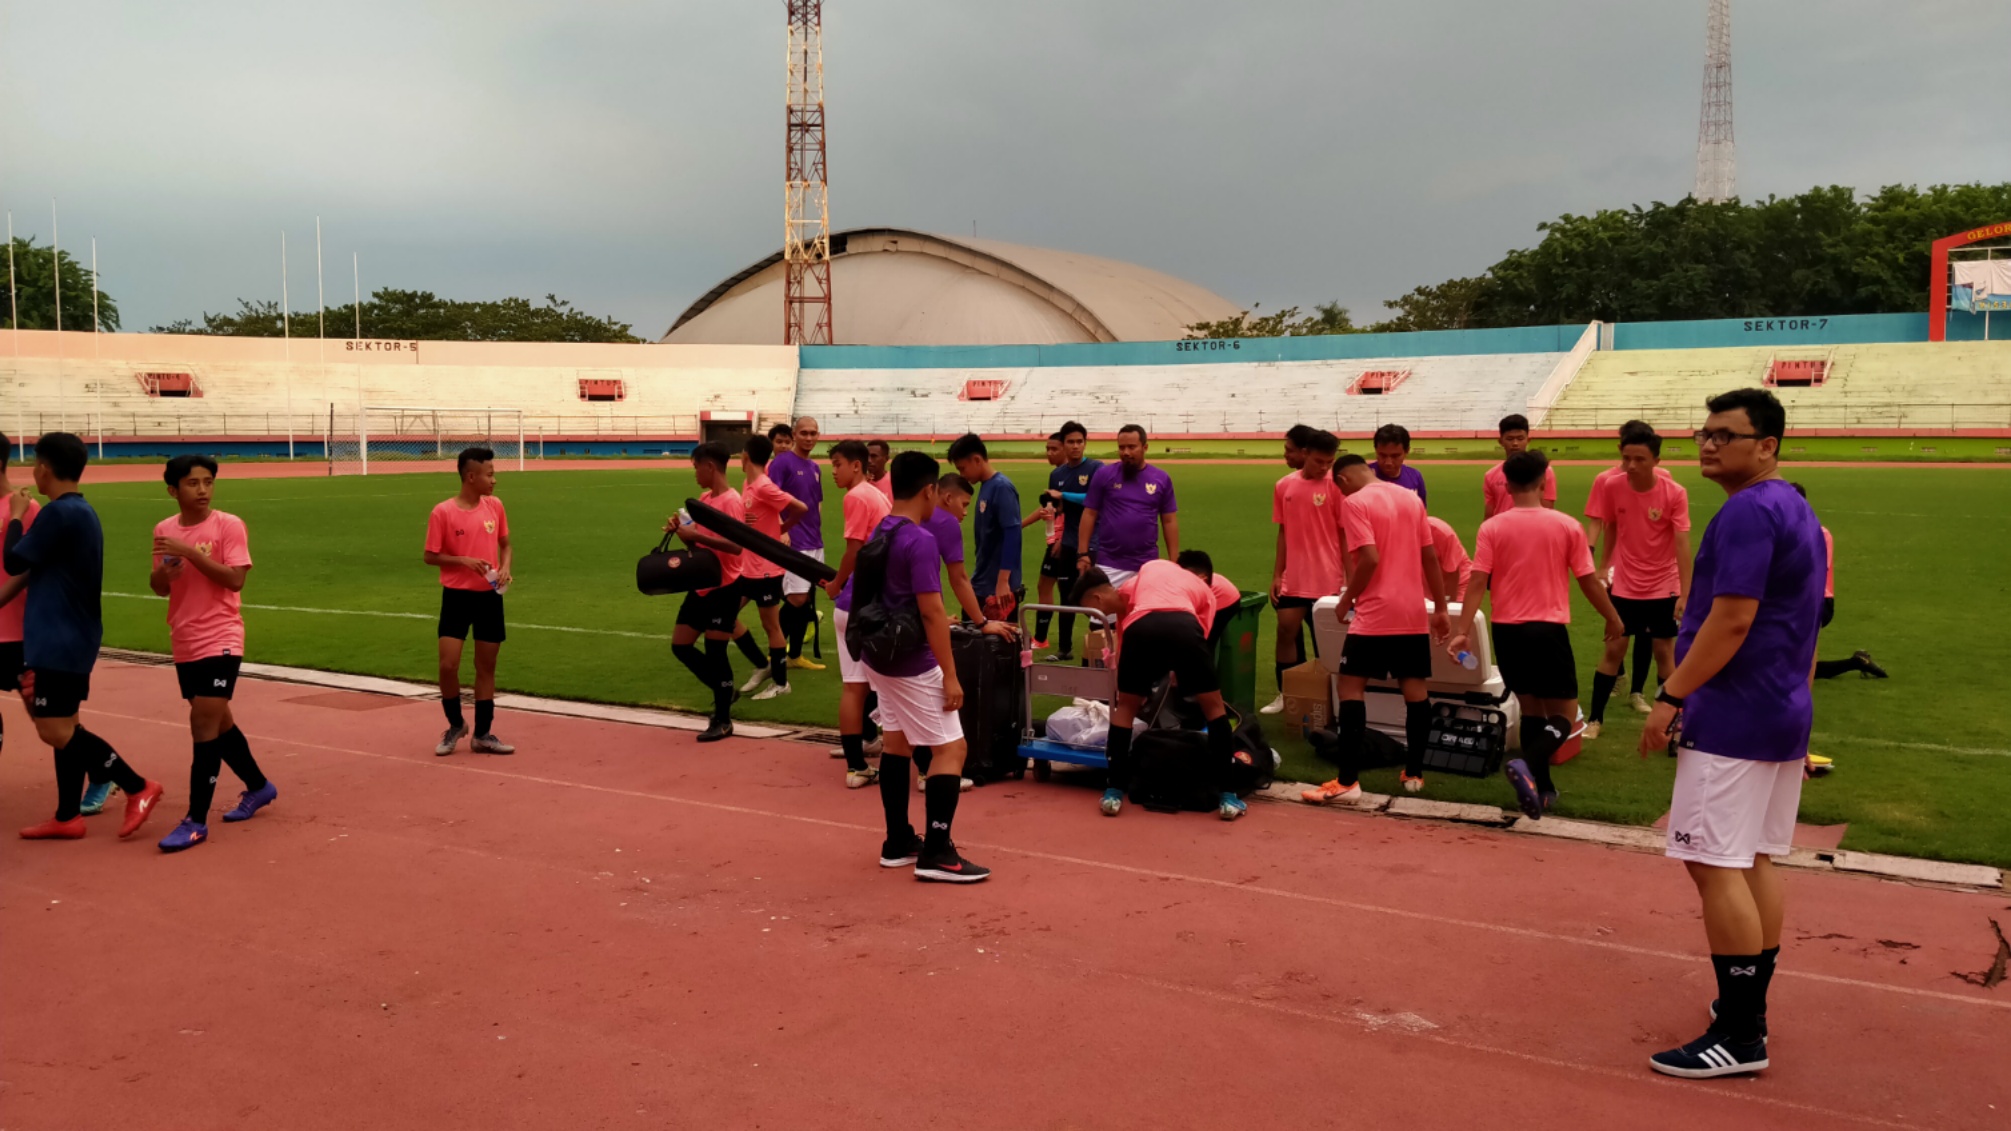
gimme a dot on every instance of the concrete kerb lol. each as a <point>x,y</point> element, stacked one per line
<point>1907,869</point>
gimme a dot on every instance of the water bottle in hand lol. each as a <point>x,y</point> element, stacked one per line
<point>1467,660</point>
<point>495,580</point>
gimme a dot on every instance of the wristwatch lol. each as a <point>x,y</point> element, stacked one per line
<point>1671,700</point>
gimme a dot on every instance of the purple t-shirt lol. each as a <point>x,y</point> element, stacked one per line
<point>804,481</point>
<point>1127,513</point>
<point>949,535</point>
<point>1410,479</point>
<point>1765,543</point>
<point>914,565</point>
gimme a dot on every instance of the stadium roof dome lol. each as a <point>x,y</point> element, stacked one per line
<point>898,287</point>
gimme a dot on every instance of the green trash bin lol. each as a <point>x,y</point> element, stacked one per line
<point>1236,654</point>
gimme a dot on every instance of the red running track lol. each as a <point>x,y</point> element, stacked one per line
<point>619,929</point>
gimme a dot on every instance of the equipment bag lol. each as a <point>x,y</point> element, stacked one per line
<point>1174,772</point>
<point>880,636</point>
<point>664,570</point>
<point>994,691</point>
<point>759,544</point>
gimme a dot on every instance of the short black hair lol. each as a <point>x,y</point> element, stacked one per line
<point>880,444</point>
<point>851,450</point>
<point>1055,436</point>
<point>1514,422</point>
<point>712,452</point>
<point>759,450</point>
<point>1071,428</point>
<point>1769,417</point>
<point>967,446</point>
<point>1799,489</point>
<point>472,455</point>
<point>1632,425</point>
<point>179,467</point>
<point>1525,469</point>
<point>912,471</point>
<point>1138,428</point>
<point>65,454</point>
<point>1197,561</point>
<point>1089,582</point>
<point>1646,437</point>
<point>1392,434</point>
<point>779,432</point>
<point>1299,434</point>
<point>954,482</point>
<point>1323,442</point>
<point>1352,459</point>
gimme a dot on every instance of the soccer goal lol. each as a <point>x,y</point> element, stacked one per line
<point>394,438</point>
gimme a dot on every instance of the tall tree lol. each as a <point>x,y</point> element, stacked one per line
<point>1329,318</point>
<point>420,315</point>
<point>35,277</point>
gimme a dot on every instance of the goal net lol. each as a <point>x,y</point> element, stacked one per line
<point>397,438</point>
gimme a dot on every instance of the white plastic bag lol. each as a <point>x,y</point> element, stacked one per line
<point>1083,723</point>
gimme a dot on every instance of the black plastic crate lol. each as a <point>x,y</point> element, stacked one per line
<point>1468,741</point>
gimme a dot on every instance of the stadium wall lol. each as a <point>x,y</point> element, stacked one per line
<point>1825,330</point>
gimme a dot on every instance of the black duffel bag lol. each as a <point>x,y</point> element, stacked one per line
<point>665,570</point>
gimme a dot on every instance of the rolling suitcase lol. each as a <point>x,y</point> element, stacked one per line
<point>988,667</point>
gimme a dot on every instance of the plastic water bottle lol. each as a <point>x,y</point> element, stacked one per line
<point>684,515</point>
<point>495,580</point>
<point>1468,660</point>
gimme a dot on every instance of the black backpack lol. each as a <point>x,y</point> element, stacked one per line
<point>878,635</point>
<point>1175,770</point>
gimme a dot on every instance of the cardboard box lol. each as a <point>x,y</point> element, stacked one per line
<point>1308,691</point>
<point>1096,648</point>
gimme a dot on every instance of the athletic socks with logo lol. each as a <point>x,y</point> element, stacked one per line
<point>1417,732</point>
<point>894,798</point>
<point>232,749</point>
<point>1742,994</point>
<point>452,707</point>
<point>751,650</point>
<point>939,800</point>
<point>1602,691</point>
<point>87,755</point>
<point>1540,739</point>
<point>1041,621</point>
<point>778,666</point>
<point>1351,723</point>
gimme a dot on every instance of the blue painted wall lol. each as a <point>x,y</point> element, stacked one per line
<point>1833,330</point>
<point>1429,343</point>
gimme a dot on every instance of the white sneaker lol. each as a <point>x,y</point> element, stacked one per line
<point>775,692</point>
<point>1592,730</point>
<point>860,779</point>
<point>1274,707</point>
<point>1639,702</point>
<point>753,681</point>
<point>875,748</point>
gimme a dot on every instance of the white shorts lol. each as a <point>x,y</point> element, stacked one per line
<point>912,707</point>
<point>850,670</point>
<point>1725,811</point>
<point>792,584</point>
<point>1118,576</point>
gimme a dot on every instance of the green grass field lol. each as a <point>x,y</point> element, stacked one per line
<point>1924,764</point>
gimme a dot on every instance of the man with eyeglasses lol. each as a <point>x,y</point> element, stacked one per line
<point>1739,709</point>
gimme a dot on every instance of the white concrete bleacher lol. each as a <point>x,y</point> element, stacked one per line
<point>1940,386</point>
<point>255,386</point>
<point>1461,393</point>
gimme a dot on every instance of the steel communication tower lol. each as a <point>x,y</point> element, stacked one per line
<point>1717,156</point>
<point>806,236</point>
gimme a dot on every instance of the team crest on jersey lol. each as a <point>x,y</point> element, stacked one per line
<point>203,548</point>
<point>1654,514</point>
<point>1081,480</point>
<point>1152,488</point>
<point>488,526</point>
<point>1319,500</point>
<point>981,506</point>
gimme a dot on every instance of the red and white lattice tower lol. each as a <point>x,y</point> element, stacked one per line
<point>806,236</point>
<point>1717,156</point>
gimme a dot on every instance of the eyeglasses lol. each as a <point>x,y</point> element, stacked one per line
<point>1719,437</point>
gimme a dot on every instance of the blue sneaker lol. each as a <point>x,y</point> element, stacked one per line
<point>188,834</point>
<point>1232,807</point>
<point>1524,782</point>
<point>1113,802</point>
<point>252,800</point>
<point>95,797</point>
<point>1710,1056</point>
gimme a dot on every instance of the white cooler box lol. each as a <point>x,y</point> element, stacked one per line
<point>1450,683</point>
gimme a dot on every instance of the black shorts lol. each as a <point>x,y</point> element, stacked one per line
<point>1059,563</point>
<point>479,609</point>
<point>1535,659</point>
<point>714,611</point>
<point>1828,612</point>
<point>1294,602</point>
<point>762,592</point>
<point>1158,643</point>
<point>214,677</point>
<point>1653,617</point>
<point>10,665</point>
<point>58,695</point>
<point>1387,657</point>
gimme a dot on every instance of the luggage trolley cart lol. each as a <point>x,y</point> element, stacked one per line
<point>1097,681</point>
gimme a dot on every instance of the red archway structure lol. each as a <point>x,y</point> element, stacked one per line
<point>1937,286</point>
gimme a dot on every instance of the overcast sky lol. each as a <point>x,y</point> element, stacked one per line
<point>628,155</point>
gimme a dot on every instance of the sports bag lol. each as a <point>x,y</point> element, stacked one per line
<point>665,570</point>
<point>880,636</point>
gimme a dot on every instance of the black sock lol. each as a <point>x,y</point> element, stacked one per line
<point>1602,690</point>
<point>924,756</point>
<point>1351,722</point>
<point>102,763</point>
<point>1830,669</point>
<point>693,659</point>
<point>1769,958</point>
<point>1222,750</point>
<point>792,627</point>
<point>1417,732</point>
<point>778,666</point>
<point>894,798</point>
<point>1067,645</point>
<point>1041,621</point>
<point>69,782</point>
<point>203,771</point>
<point>855,751</point>
<point>1117,751</point>
<point>939,802</point>
<point>1280,669</point>
<point>720,670</point>
<point>485,717</point>
<point>453,708</point>
<point>751,650</point>
<point>236,751</point>
<point>1537,746</point>
<point>1741,996</point>
<point>1644,658</point>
